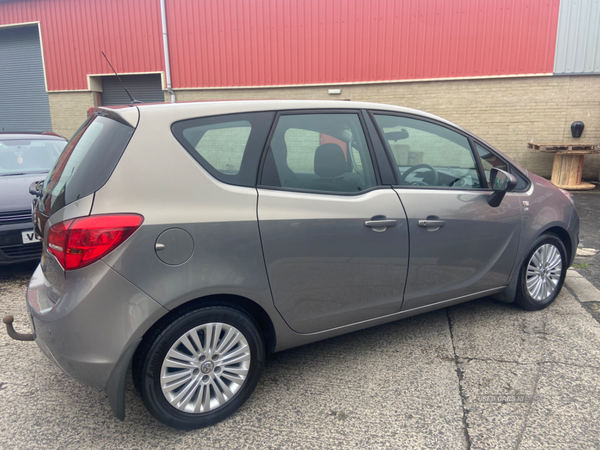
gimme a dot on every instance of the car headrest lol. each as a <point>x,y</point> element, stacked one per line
<point>330,161</point>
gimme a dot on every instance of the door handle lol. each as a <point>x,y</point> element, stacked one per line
<point>431,223</point>
<point>384,223</point>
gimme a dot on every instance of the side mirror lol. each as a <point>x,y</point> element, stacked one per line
<point>501,182</point>
<point>35,188</point>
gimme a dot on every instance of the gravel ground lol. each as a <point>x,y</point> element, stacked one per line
<point>480,375</point>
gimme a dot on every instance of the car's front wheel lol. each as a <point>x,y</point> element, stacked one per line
<point>542,274</point>
<point>199,368</point>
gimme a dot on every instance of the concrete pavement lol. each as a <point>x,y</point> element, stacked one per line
<point>588,207</point>
<point>480,375</point>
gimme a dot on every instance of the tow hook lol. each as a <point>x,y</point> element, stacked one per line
<point>8,320</point>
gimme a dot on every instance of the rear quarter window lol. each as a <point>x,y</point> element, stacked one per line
<point>229,147</point>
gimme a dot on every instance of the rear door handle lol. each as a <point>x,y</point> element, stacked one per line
<point>431,223</point>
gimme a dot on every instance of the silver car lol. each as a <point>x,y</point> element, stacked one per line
<point>192,240</point>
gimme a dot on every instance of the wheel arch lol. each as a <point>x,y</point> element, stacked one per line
<point>238,302</point>
<point>563,235</point>
<point>509,294</point>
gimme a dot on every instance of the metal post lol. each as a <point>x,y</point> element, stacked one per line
<point>163,14</point>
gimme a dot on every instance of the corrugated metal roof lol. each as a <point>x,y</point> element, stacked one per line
<point>578,39</point>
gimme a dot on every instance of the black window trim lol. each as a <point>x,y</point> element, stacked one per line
<point>479,163</point>
<point>296,112</point>
<point>376,142</point>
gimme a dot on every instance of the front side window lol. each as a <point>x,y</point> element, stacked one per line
<point>319,152</point>
<point>489,160</point>
<point>228,147</point>
<point>427,154</point>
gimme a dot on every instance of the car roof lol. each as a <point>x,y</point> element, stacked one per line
<point>10,136</point>
<point>181,110</point>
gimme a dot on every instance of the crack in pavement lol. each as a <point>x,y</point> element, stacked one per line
<point>520,363</point>
<point>528,413</point>
<point>531,398</point>
<point>459,374</point>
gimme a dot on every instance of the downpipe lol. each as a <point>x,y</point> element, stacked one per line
<point>8,321</point>
<point>163,15</point>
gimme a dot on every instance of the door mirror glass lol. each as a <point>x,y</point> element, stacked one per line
<point>501,181</point>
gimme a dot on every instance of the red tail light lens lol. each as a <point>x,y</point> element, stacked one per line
<point>80,242</point>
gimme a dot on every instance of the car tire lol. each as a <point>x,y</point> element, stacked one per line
<point>200,367</point>
<point>542,273</point>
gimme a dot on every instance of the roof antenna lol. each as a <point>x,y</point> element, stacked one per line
<point>133,100</point>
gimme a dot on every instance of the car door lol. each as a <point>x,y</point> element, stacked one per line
<point>335,241</point>
<point>459,245</point>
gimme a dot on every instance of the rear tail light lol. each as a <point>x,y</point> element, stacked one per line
<point>79,242</point>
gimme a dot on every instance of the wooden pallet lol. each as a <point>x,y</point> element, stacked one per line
<point>573,149</point>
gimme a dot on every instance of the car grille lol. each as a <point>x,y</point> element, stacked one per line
<point>23,251</point>
<point>7,218</point>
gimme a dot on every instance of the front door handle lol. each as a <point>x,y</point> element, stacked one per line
<point>431,223</point>
<point>380,223</point>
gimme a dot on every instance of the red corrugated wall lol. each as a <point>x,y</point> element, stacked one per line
<point>74,32</point>
<point>287,42</point>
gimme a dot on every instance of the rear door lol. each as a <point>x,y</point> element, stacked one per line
<point>459,245</point>
<point>335,241</point>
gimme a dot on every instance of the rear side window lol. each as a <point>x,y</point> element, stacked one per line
<point>228,147</point>
<point>86,163</point>
<point>319,152</point>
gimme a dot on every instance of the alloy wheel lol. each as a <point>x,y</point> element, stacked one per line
<point>205,368</point>
<point>543,272</point>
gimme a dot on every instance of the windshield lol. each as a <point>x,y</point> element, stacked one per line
<point>23,156</point>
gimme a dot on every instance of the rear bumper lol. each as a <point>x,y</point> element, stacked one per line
<point>88,328</point>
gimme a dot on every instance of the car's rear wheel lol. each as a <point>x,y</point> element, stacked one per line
<point>199,368</point>
<point>542,274</point>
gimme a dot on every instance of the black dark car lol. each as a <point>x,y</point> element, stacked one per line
<point>24,159</point>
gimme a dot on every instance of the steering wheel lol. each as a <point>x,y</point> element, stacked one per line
<point>414,168</point>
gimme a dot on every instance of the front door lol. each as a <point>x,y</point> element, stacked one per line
<point>335,243</point>
<point>459,245</point>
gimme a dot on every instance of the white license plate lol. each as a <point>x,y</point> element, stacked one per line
<point>29,237</point>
